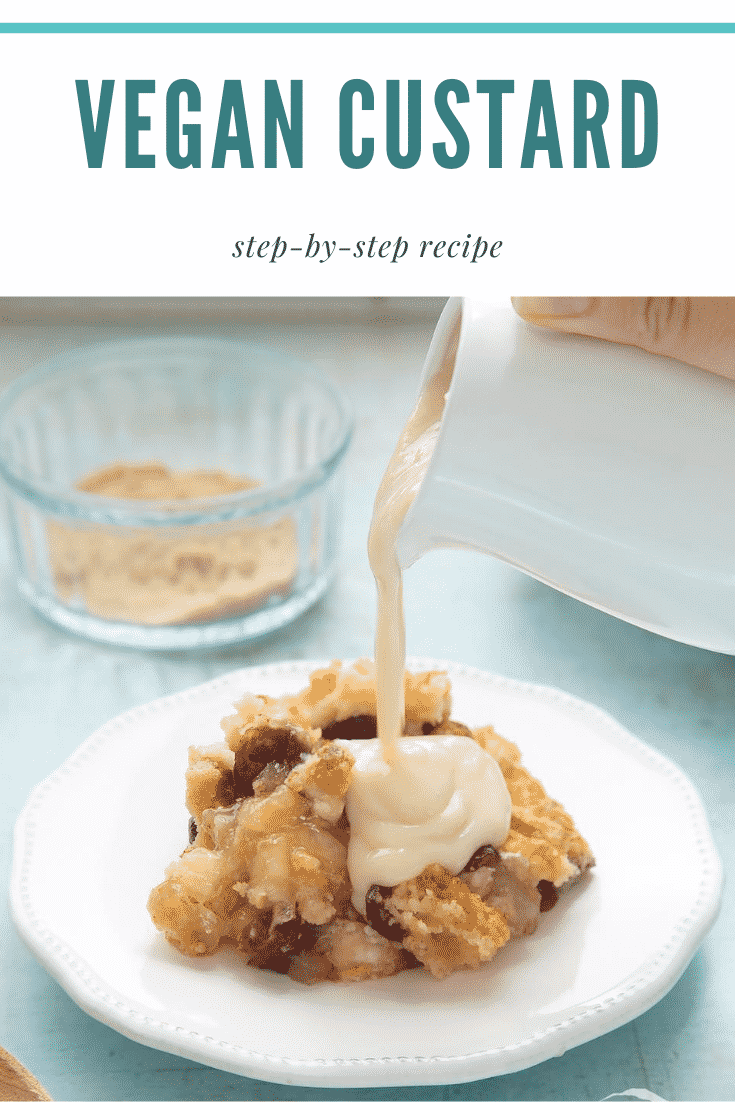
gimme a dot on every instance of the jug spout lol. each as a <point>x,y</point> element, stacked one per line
<point>599,469</point>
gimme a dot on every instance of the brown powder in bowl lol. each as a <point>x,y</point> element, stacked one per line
<point>155,482</point>
<point>174,575</point>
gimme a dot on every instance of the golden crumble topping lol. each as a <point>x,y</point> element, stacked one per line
<point>266,868</point>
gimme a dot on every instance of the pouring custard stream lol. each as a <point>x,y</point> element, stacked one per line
<point>400,484</point>
<point>426,799</point>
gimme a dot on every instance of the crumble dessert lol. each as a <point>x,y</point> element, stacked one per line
<point>178,575</point>
<point>267,867</point>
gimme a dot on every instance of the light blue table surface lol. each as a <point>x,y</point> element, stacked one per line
<point>56,690</point>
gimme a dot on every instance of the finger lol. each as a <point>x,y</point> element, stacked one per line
<point>699,331</point>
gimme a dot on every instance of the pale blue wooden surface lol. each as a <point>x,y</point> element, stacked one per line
<point>56,690</point>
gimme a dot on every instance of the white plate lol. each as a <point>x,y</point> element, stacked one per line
<point>95,837</point>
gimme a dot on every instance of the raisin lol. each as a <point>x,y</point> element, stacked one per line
<point>193,830</point>
<point>354,727</point>
<point>265,746</point>
<point>381,920</point>
<point>486,857</point>
<point>549,895</point>
<point>284,941</point>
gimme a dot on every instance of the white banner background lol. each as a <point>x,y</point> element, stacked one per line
<point>72,230</point>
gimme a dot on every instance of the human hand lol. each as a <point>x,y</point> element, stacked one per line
<point>698,331</point>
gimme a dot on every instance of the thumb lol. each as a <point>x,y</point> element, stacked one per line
<point>699,331</point>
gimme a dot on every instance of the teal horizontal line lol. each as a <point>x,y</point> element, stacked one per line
<point>367,28</point>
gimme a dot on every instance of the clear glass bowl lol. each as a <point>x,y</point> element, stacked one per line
<point>193,571</point>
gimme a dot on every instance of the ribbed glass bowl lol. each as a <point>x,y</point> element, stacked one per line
<point>183,573</point>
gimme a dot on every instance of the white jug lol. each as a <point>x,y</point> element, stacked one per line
<point>606,472</point>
